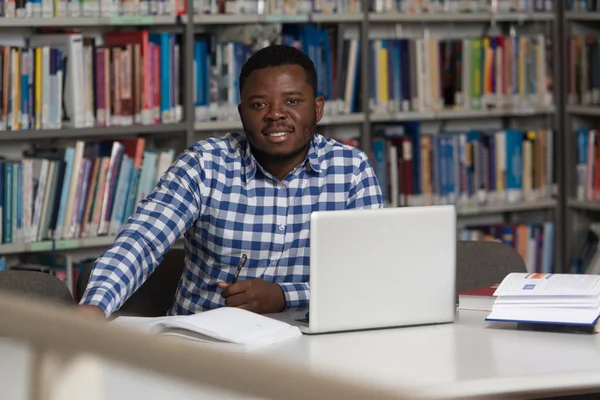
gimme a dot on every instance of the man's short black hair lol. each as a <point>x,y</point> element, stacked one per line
<point>275,56</point>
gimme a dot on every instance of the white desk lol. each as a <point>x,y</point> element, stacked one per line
<point>462,359</point>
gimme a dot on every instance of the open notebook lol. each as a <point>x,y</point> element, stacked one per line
<point>234,327</point>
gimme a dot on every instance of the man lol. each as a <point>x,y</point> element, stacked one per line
<point>238,195</point>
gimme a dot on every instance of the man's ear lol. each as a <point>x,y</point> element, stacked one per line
<point>319,107</point>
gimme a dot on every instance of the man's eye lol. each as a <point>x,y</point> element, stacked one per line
<point>258,105</point>
<point>293,101</point>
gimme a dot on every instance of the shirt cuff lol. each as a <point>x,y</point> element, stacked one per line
<point>296,294</point>
<point>101,298</point>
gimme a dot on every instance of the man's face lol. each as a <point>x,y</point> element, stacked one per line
<point>279,112</point>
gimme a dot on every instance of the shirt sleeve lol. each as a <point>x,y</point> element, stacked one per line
<point>296,294</point>
<point>159,220</point>
<point>365,191</point>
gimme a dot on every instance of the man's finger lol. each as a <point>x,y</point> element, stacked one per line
<point>236,300</point>
<point>223,285</point>
<point>235,288</point>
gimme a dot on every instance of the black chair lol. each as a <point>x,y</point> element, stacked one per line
<point>37,285</point>
<point>483,263</point>
<point>155,297</point>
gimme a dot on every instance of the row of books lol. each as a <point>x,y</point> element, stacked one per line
<point>86,189</point>
<point>534,242</point>
<point>582,5</point>
<point>89,8</point>
<point>465,168</point>
<point>588,165</point>
<point>445,6</point>
<point>217,66</point>
<point>432,74</point>
<point>51,81</point>
<point>151,8</point>
<point>276,7</point>
<point>584,70</point>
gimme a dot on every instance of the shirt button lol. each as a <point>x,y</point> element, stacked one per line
<point>281,228</point>
<point>282,186</point>
<point>273,263</point>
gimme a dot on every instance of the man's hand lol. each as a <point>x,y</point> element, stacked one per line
<point>254,295</point>
<point>91,310</point>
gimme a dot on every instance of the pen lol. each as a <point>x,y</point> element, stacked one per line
<point>239,268</point>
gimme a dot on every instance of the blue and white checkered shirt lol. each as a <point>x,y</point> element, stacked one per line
<point>222,201</point>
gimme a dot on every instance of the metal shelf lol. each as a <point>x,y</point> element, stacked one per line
<point>584,205</point>
<point>356,118</point>
<point>49,245</point>
<point>236,125</point>
<point>459,17</point>
<point>98,131</point>
<point>65,245</point>
<point>89,21</point>
<point>582,16</point>
<point>592,111</point>
<point>236,19</point>
<point>217,126</point>
<point>226,19</point>
<point>337,18</point>
<point>543,204</point>
<point>458,114</point>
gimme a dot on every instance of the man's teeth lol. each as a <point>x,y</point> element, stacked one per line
<point>276,134</point>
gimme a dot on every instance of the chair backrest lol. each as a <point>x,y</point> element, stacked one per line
<point>483,263</point>
<point>155,297</point>
<point>35,284</point>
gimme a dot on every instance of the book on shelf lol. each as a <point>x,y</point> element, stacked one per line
<point>567,300</point>
<point>86,189</point>
<point>456,6</point>
<point>588,167</point>
<point>533,241</point>
<point>466,168</point>
<point>79,80</point>
<point>431,74</point>
<point>226,328</point>
<point>583,86</point>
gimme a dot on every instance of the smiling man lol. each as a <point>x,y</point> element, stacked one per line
<point>242,194</point>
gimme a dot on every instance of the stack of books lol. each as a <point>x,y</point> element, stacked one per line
<point>566,300</point>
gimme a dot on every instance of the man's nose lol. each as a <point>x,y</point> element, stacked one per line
<point>275,113</point>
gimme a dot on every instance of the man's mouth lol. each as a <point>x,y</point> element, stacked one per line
<point>277,134</point>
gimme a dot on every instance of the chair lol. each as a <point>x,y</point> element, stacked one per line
<point>155,297</point>
<point>35,284</point>
<point>483,263</point>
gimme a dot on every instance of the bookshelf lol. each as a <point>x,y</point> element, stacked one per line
<point>581,117</point>
<point>356,117</point>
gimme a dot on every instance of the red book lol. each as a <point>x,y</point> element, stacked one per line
<point>481,299</point>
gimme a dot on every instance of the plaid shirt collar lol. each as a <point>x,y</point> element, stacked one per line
<point>312,162</point>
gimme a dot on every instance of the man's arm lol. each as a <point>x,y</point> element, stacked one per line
<point>159,220</point>
<point>365,192</point>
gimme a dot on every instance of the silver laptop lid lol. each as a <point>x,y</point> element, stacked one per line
<point>381,268</point>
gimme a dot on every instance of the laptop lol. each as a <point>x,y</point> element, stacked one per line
<point>381,268</point>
